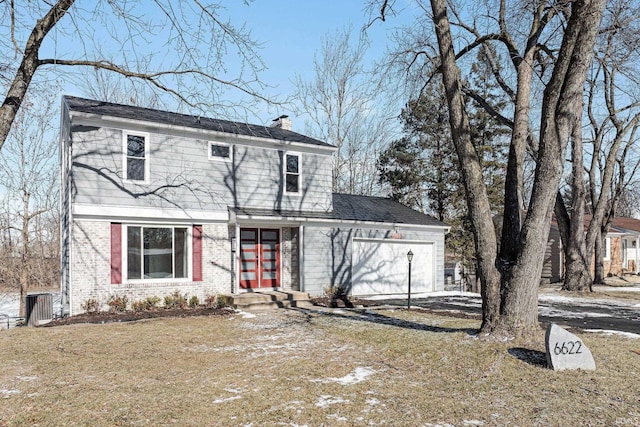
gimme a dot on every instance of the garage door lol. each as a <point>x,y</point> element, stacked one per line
<point>381,267</point>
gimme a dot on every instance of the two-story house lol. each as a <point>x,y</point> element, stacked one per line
<point>153,202</point>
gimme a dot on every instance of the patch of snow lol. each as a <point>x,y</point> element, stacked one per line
<point>421,295</point>
<point>609,332</point>
<point>337,417</point>
<point>326,400</point>
<point>245,315</point>
<point>551,312</point>
<point>357,376</point>
<point>228,399</point>
<point>21,378</point>
<point>472,423</point>
<point>6,393</point>
<point>372,401</point>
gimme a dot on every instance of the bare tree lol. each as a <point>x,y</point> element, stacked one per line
<point>29,180</point>
<point>510,280</point>
<point>177,48</point>
<point>342,104</point>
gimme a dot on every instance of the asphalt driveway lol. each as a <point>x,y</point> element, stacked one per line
<point>584,313</point>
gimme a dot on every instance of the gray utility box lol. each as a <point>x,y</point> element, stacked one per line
<point>39,309</point>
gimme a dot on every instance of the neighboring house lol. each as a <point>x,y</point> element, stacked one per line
<point>155,202</point>
<point>621,255</point>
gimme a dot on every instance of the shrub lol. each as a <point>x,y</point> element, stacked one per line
<point>175,300</point>
<point>335,292</point>
<point>91,306</point>
<point>211,301</point>
<point>148,304</point>
<point>117,303</point>
<point>223,301</point>
<point>194,302</point>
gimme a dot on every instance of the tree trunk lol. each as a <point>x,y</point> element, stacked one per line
<point>475,190</point>
<point>561,112</point>
<point>577,276</point>
<point>28,67</point>
<point>24,258</point>
<point>598,276</point>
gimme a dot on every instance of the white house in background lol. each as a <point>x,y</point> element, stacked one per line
<point>153,202</point>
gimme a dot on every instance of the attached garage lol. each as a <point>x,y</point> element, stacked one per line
<point>380,266</point>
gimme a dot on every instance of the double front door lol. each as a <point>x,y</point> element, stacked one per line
<point>259,258</point>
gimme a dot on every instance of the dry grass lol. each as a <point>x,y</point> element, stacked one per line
<point>294,368</point>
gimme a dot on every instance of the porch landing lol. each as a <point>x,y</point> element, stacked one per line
<point>269,300</point>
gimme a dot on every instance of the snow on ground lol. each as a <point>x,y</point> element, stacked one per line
<point>10,308</point>
<point>358,375</point>
<point>421,295</point>
<point>608,332</point>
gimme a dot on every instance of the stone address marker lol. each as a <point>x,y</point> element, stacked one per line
<point>566,351</point>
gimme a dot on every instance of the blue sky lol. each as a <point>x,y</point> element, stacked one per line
<point>290,32</point>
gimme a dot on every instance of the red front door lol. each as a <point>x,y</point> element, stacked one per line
<point>259,258</point>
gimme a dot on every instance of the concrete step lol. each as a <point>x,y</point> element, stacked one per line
<point>269,300</point>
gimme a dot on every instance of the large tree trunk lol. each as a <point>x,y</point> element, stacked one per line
<point>475,190</point>
<point>561,113</point>
<point>577,276</point>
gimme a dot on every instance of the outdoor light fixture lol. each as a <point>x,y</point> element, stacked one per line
<point>409,258</point>
<point>233,244</point>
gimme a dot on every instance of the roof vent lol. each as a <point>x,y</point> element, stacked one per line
<point>282,122</point>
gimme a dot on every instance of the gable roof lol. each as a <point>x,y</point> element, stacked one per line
<point>352,208</point>
<point>103,108</point>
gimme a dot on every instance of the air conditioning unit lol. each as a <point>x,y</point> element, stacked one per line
<point>39,309</point>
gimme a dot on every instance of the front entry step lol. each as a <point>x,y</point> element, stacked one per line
<point>269,300</point>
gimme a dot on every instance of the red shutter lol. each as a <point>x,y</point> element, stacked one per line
<point>116,253</point>
<point>197,253</point>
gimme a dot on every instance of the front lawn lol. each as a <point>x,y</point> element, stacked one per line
<point>297,367</point>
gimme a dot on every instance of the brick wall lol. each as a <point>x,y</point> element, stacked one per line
<point>90,273</point>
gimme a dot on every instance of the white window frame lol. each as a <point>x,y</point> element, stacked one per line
<point>125,170</point>
<point>284,172</point>
<point>217,158</point>
<point>607,249</point>
<point>125,258</point>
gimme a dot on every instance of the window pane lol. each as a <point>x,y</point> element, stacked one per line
<point>292,183</point>
<point>248,255</point>
<point>248,234</point>
<point>135,169</point>
<point>248,276</point>
<point>271,265</point>
<point>269,275</point>
<point>268,246</point>
<point>133,253</point>
<point>135,146</point>
<point>158,253</point>
<point>269,235</point>
<point>248,265</point>
<point>222,151</point>
<point>268,255</point>
<point>292,163</point>
<point>180,259</point>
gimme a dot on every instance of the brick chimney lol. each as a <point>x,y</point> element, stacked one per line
<point>282,122</point>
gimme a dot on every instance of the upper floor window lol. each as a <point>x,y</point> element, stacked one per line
<point>220,151</point>
<point>292,173</point>
<point>136,159</point>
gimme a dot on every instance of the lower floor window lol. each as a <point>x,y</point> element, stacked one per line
<point>157,252</point>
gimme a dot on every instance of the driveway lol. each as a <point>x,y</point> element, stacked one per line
<point>608,314</point>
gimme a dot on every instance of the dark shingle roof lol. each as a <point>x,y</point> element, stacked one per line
<point>165,117</point>
<point>348,207</point>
